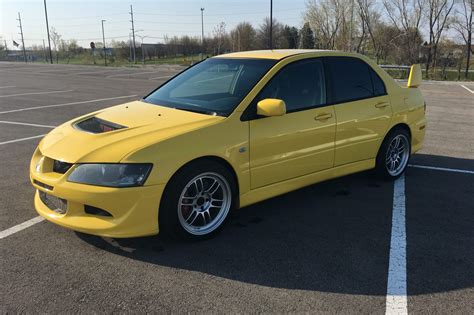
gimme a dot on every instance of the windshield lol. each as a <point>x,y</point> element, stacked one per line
<point>215,86</point>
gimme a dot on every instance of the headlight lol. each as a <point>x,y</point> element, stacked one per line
<point>110,175</point>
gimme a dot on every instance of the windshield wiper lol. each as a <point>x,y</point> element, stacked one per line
<point>199,111</point>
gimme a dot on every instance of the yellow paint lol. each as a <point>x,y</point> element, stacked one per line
<point>271,107</point>
<point>414,80</point>
<point>270,156</point>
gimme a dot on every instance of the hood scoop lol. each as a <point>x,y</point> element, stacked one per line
<point>97,125</point>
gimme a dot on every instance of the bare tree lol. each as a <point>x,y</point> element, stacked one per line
<point>438,12</point>
<point>219,35</point>
<point>463,25</point>
<point>326,19</point>
<point>406,16</point>
<point>56,39</point>
<point>369,19</point>
<point>263,34</point>
<point>243,37</point>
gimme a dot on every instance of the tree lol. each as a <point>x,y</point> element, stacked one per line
<point>406,16</point>
<point>263,34</point>
<point>369,19</point>
<point>306,37</point>
<point>463,25</point>
<point>327,18</point>
<point>219,36</point>
<point>56,39</point>
<point>290,37</point>
<point>438,12</point>
<point>243,37</point>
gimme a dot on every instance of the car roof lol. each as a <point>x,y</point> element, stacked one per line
<point>278,54</point>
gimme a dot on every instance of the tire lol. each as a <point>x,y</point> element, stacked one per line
<point>394,154</point>
<point>197,201</point>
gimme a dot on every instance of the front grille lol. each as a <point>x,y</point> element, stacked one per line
<point>55,204</point>
<point>61,167</point>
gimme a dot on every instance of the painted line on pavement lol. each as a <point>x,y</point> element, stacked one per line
<point>130,74</point>
<point>36,93</point>
<point>164,77</point>
<point>7,87</point>
<point>467,88</point>
<point>21,139</point>
<point>396,299</point>
<point>445,169</point>
<point>25,124</point>
<point>66,104</point>
<point>20,227</point>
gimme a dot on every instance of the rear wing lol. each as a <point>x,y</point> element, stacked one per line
<point>414,73</point>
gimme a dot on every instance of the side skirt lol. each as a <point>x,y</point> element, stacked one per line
<point>280,188</point>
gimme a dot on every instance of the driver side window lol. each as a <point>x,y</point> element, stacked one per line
<point>300,84</point>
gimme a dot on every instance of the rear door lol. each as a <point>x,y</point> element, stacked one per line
<point>362,108</point>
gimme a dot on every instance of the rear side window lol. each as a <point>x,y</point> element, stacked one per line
<point>300,84</point>
<point>379,86</point>
<point>351,79</point>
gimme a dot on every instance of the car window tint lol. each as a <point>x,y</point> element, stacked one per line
<point>301,85</point>
<point>379,86</point>
<point>350,79</point>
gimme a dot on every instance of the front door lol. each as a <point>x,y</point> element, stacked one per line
<point>300,142</point>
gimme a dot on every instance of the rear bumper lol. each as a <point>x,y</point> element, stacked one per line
<point>418,135</point>
<point>134,210</point>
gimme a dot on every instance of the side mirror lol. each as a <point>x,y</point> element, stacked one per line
<point>271,107</point>
<point>414,80</point>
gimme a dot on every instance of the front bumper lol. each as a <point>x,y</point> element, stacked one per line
<point>134,210</point>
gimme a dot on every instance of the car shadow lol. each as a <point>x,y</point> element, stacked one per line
<point>330,237</point>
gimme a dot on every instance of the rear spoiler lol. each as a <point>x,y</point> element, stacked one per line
<point>414,77</point>
<point>414,80</point>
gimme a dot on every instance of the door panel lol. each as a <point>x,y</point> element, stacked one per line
<point>291,145</point>
<point>361,126</point>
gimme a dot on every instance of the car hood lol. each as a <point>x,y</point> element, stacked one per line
<point>144,124</point>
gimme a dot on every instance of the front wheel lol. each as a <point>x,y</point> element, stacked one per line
<point>394,154</point>
<point>197,201</point>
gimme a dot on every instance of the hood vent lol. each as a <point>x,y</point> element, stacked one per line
<point>97,125</point>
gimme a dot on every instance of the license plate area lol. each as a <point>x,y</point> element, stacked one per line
<point>54,203</point>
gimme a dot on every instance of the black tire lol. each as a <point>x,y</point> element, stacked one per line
<point>381,168</point>
<point>169,222</point>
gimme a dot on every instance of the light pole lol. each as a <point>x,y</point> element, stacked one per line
<point>271,24</point>
<point>103,38</point>
<point>142,37</point>
<point>47,29</point>
<point>202,33</point>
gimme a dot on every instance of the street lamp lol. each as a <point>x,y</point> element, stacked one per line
<point>103,37</point>
<point>202,32</point>
<point>142,37</point>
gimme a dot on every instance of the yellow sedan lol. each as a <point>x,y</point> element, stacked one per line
<point>227,132</point>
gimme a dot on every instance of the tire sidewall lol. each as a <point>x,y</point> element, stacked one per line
<point>168,221</point>
<point>381,168</point>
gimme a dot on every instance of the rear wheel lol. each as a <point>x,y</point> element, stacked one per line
<point>394,154</point>
<point>197,201</point>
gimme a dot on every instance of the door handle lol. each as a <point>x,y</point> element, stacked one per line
<point>322,117</point>
<point>381,105</point>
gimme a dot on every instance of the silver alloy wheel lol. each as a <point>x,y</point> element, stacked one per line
<point>397,155</point>
<point>204,203</point>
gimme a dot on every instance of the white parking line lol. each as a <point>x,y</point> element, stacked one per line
<point>7,87</point>
<point>66,104</point>
<point>455,170</point>
<point>36,93</point>
<point>164,77</point>
<point>21,226</point>
<point>130,74</point>
<point>396,300</point>
<point>25,124</point>
<point>21,139</point>
<point>467,88</point>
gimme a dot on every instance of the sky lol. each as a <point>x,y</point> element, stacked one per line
<point>81,20</point>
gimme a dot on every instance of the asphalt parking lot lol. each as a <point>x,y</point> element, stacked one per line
<point>334,247</point>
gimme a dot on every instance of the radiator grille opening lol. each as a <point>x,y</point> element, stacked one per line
<point>61,167</point>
